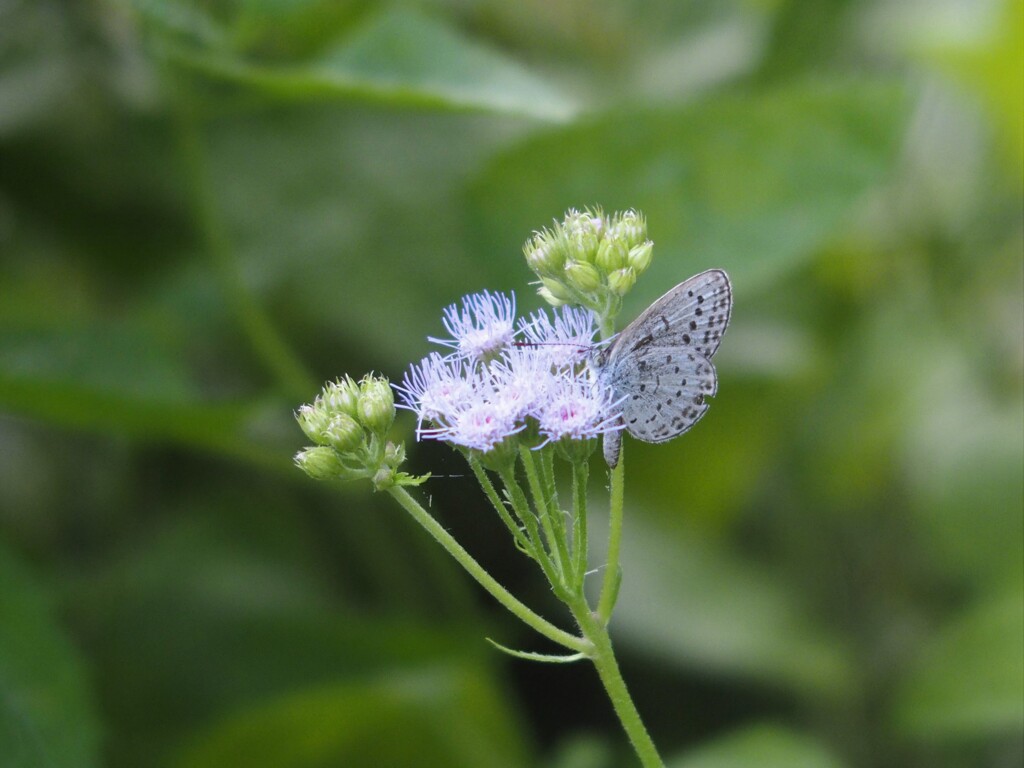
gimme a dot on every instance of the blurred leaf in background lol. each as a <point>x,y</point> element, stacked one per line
<point>207,208</point>
<point>48,717</point>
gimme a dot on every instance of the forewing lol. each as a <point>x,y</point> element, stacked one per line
<point>691,316</point>
<point>664,390</point>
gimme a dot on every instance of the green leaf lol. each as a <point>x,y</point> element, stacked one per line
<point>445,715</point>
<point>122,379</point>
<point>350,225</point>
<point>228,603</point>
<point>37,69</point>
<point>762,746</point>
<point>686,600</point>
<point>405,479</point>
<point>969,680</point>
<point>179,18</point>
<point>967,492</point>
<point>539,657</point>
<point>990,63</point>
<point>583,751</point>
<point>742,429</point>
<point>46,713</point>
<point>401,58</point>
<point>752,184</point>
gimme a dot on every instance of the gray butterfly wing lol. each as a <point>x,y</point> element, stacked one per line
<point>660,364</point>
<point>692,315</point>
<point>663,390</point>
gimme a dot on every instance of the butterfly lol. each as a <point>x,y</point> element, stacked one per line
<point>659,366</point>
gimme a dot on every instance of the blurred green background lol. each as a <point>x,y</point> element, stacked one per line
<point>208,208</point>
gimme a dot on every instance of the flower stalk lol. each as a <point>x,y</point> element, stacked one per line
<point>613,571</point>
<point>523,402</point>
<point>603,658</point>
<point>519,609</point>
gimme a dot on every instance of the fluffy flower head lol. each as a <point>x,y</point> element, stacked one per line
<point>493,387</point>
<point>578,408</point>
<point>481,327</point>
<point>435,387</point>
<point>565,336</point>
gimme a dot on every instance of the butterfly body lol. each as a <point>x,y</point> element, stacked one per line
<point>660,367</point>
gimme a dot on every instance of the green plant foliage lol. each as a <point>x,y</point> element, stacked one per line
<point>398,57</point>
<point>448,713</point>
<point>752,184</point>
<point>209,208</point>
<point>112,377</point>
<point>968,680</point>
<point>764,746</point>
<point>46,715</point>
<point>687,602</point>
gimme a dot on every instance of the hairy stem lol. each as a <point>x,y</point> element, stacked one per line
<point>610,585</point>
<point>603,656</point>
<point>529,519</point>
<point>262,334</point>
<point>527,544</point>
<point>580,474</point>
<point>483,578</point>
<point>554,528</point>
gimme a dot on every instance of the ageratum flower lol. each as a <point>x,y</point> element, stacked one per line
<point>478,423</point>
<point>435,387</point>
<point>577,408</point>
<point>566,336</point>
<point>482,327</point>
<point>493,388</point>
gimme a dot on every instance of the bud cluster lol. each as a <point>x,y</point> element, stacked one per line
<point>349,423</point>
<point>590,259</point>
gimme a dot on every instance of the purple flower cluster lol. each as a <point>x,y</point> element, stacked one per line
<point>492,386</point>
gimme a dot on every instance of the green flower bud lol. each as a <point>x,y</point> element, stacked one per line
<point>376,404</point>
<point>611,255</point>
<point>545,254</point>
<point>314,421</point>
<point>583,231</point>
<point>344,434</point>
<point>640,257</point>
<point>585,222</point>
<point>583,276</point>
<point>320,463</point>
<point>584,248</point>
<point>341,396</point>
<point>557,289</point>
<point>621,281</point>
<point>629,227</point>
<point>549,297</point>
<point>384,478</point>
<point>394,454</point>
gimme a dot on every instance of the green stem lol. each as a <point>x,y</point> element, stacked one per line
<point>483,578</point>
<point>529,519</point>
<point>610,585</point>
<point>603,656</point>
<point>547,467</point>
<point>546,460</point>
<point>527,545</point>
<point>553,532</point>
<point>263,336</point>
<point>580,475</point>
